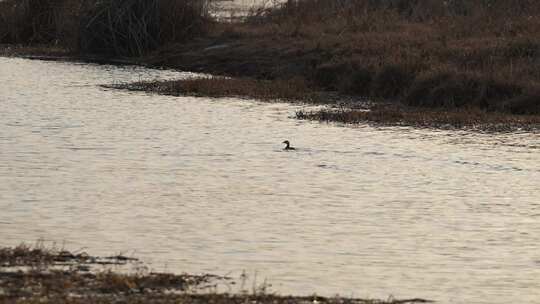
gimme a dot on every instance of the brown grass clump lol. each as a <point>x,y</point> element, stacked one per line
<point>473,119</point>
<point>291,90</point>
<point>24,255</point>
<point>40,256</point>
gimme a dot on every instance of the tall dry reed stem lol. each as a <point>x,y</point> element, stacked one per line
<point>117,27</point>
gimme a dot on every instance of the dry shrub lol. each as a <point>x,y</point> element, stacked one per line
<point>392,81</point>
<point>315,17</point>
<point>420,90</point>
<point>346,77</point>
<point>454,90</point>
<point>330,76</point>
<point>457,92</point>
<point>526,104</point>
<point>496,91</point>
<point>444,90</point>
<point>461,18</point>
<point>359,82</point>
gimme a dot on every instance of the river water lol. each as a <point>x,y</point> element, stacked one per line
<point>202,185</point>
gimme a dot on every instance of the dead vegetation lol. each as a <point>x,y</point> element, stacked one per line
<point>292,90</point>
<point>50,275</point>
<point>110,27</point>
<point>470,118</point>
<point>34,274</point>
<point>40,256</point>
<point>439,54</point>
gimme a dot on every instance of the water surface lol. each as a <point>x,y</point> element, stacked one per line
<point>202,185</point>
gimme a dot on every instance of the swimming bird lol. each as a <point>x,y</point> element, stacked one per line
<point>288,145</point>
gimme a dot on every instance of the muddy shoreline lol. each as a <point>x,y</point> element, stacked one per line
<point>31,274</point>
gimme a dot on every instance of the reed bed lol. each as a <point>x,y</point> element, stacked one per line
<point>112,27</point>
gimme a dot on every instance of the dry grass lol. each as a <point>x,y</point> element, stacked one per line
<point>35,273</point>
<point>77,284</point>
<point>116,28</point>
<point>40,256</point>
<point>31,22</point>
<point>471,118</point>
<point>482,54</point>
<point>438,54</point>
<point>292,90</point>
<point>135,27</point>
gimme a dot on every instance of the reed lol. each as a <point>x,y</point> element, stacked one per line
<point>31,21</point>
<point>114,27</point>
<point>135,27</point>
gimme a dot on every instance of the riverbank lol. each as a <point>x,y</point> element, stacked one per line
<point>459,65</point>
<point>341,108</point>
<point>32,274</point>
